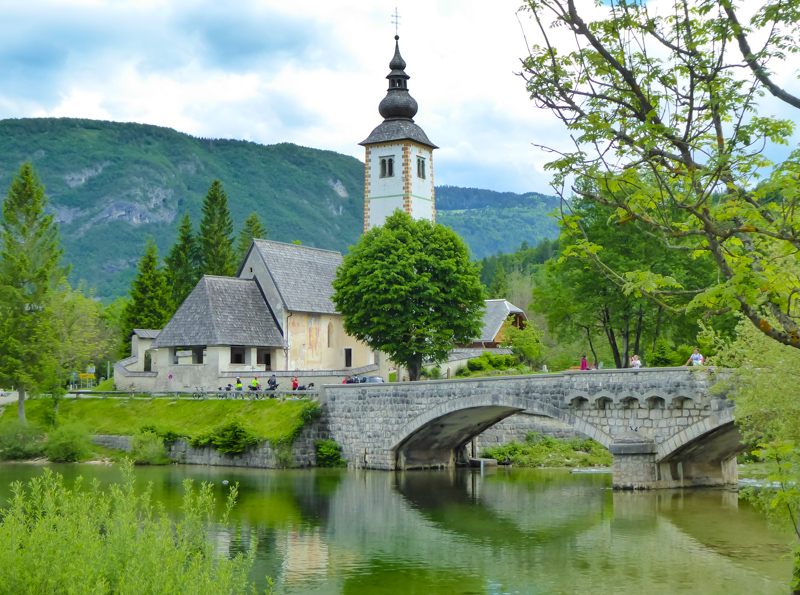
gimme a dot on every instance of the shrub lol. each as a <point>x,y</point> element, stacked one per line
<point>662,354</point>
<point>168,434</point>
<point>329,454</point>
<point>19,442</point>
<point>461,371</point>
<point>201,439</point>
<point>310,413</point>
<point>69,443</point>
<point>148,449</point>
<point>478,364</point>
<point>83,540</point>
<point>233,436</point>
<point>434,372</point>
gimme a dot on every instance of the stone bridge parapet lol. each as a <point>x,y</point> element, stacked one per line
<point>664,426</point>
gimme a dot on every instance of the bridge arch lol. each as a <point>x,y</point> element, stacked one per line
<point>715,437</point>
<point>435,437</point>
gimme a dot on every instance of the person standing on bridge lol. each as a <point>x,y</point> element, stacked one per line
<point>636,363</point>
<point>696,358</point>
<point>584,363</point>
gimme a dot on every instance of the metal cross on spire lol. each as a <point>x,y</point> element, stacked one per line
<point>396,21</point>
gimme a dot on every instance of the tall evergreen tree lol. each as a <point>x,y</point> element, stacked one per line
<point>150,302</point>
<point>183,266</point>
<point>252,229</point>
<point>29,274</point>
<point>499,288</point>
<point>217,256</point>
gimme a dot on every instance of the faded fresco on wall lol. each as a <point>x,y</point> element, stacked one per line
<point>314,353</point>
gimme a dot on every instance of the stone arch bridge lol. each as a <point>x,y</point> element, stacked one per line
<point>664,427</point>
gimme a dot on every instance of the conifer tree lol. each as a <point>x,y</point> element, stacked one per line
<point>498,288</point>
<point>30,271</point>
<point>182,262</point>
<point>217,256</point>
<point>149,303</point>
<point>253,230</point>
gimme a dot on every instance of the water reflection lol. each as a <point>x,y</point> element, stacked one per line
<point>459,532</point>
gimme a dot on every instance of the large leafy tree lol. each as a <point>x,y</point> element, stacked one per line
<point>409,289</point>
<point>183,263</point>
<point>150,303</point>
<point>662,109</point>
<point>578,300</point>
<point>217,253</point>
<point>30,271</point>
<point>252,229</point>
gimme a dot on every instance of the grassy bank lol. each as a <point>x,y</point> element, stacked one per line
<point>544,451</point>
<point>270,420</point>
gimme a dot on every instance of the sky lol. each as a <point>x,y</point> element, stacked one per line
<point>310,73</point>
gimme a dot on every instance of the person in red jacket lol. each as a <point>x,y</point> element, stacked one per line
<point>294,383</point>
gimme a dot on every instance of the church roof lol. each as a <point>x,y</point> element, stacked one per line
<point>146,333</point>
<point>494,315</point>
<point>222,311</point>
<point>399,129</point>
<point>303,275</point>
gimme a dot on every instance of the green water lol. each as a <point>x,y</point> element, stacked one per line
<point>458,533</point>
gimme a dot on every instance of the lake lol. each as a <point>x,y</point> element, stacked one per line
<point>517,531</point>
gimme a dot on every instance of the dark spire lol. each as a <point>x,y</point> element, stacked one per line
<point>398,108</point>
<point>398,103</point>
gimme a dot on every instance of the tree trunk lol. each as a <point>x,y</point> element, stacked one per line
<point>591,345</point>
<point>658,328</point>
<point>21,405</point>
<point>638,336</point>
<point>414,369</point>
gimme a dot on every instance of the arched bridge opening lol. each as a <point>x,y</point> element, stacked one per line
<point>442,441</point>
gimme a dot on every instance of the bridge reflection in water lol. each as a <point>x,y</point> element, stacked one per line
<point>665,427</point>
<point>353,532</point>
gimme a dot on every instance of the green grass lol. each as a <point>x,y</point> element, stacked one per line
<point>544,451</point>
<point>270,420</point>
<point>107,384</point>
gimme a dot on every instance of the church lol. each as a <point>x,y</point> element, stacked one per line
<point>276,316</point>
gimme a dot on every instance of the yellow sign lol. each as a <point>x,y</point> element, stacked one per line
<point>84,376</point>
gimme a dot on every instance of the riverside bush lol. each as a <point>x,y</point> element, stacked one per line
<point>329,454</point>
<point>545,451</point>
<point>20,442</point>
<point>148,449</point>
<point>168,434</point>
<point>233,435</point>
<point>83,540</point>
<point>69,443</point>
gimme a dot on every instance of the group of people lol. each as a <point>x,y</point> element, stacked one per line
<point>272,383</point>
<point>696,359</point>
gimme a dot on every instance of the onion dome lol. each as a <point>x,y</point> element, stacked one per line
<point>398,108</point>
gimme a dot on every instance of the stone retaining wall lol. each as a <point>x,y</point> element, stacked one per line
<point>263,456</point>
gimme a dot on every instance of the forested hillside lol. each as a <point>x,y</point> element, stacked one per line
<point>113,185</point>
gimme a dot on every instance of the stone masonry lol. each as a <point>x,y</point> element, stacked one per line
<point>664,426</point>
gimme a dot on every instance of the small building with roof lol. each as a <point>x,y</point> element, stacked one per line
<point>276,316</point>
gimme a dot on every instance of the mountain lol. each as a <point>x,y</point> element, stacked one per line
<point>113,185</point>
<point>492,222</point>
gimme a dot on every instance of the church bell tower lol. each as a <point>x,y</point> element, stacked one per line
<point>398,171</point>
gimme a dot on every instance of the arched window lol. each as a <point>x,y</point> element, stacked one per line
<point>330,334</point>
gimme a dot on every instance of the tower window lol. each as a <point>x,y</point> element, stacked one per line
<point>387,167</point>
<point>421,167</point>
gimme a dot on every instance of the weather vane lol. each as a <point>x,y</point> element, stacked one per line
<point>396,21</point>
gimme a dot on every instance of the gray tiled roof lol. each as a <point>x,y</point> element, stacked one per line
<point>398,129</point>
<point>304,276</point>
<point>146,333</point>
<point>222,311</point>
<point>471,352</point>
<point>494,315</point>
